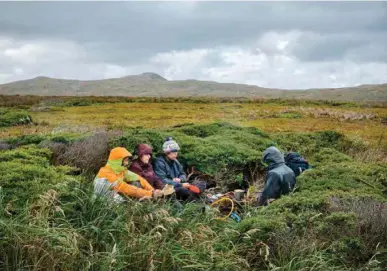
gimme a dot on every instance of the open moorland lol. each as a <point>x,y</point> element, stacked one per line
<point>52,147</point>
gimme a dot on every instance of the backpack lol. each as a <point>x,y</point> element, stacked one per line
<point>296,162</point>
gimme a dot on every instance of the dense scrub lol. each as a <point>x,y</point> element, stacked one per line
<point>27,173</point>
<point>336,219</point>
<point>221,150</point>
<point>13,117</point>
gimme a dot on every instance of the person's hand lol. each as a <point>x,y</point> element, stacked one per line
<point>270,201</point>
<point>177,180</point>
<point>186,185</point>
<point>157,193</point>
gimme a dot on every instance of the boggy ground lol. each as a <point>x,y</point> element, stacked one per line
<point>69,114</point>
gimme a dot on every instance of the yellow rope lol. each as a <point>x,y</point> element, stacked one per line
<point>221,200</point>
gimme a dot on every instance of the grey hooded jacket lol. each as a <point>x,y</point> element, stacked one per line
<point>280,179</point>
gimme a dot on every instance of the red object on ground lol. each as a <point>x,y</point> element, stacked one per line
<point>194,189</point>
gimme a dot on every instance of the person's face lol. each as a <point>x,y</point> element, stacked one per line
<point>172,155</point>
<point>145,158</point>
<point>125,162</point>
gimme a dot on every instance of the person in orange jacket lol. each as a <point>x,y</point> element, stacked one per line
<point>115,180</point>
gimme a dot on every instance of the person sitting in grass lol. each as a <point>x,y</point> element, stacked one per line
<point>280,179</point>
<point>170,171</point>
<point>143,167</point>
<point>116,181</point>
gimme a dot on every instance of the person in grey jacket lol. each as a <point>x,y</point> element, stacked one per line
<point>280,179</point>
<point>170,171</point>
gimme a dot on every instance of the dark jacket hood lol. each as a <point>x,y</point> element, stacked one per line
<point>273,156</point>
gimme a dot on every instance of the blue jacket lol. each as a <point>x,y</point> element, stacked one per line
<point>280,179</point>
<point>167,170</point>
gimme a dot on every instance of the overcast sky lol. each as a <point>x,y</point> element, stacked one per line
<point>281,44</point>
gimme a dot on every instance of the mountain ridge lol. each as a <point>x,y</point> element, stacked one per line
<point>153,85</point>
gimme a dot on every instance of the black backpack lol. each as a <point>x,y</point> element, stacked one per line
<point>296,162</point>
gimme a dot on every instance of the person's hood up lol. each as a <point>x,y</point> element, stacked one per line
<point>115,159</point>
<point>273,156</point>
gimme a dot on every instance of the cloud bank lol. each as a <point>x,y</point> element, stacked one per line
<point>276,45</point>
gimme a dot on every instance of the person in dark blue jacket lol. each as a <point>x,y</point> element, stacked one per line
<point>170,171</point>
<point>280,179</point>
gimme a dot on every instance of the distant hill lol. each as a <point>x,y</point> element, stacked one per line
<point>153,85</point>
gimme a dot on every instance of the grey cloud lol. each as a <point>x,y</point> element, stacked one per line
<point>339,46</point>
<point>129,32</point>
<point>113,38</point>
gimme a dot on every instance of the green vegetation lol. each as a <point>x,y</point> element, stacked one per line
<point>219,149</point>
<point>27,173</point>
<point>24,101</point>
<point>53,115</point>
<point>336,219</point>
<point>13,117</point>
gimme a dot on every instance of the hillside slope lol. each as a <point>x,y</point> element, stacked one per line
<point>153,85</point>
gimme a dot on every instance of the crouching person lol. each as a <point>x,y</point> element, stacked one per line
<point>170,171</point>
<point>116,181</point>
<point>280,179</point>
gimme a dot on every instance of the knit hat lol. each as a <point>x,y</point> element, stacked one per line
<point>170,145</point>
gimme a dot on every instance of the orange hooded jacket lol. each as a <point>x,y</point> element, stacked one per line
<point>116,173</point>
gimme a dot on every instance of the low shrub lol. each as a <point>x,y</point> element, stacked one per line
<point>26,173</point>
<point>308,143</point>
<point>87,152</point>
<point>212,149</point>
<point>328,155</point>
<point>335,219</point>
<point>14,117</point>
<point>350,177</point>
<point>25,140</point>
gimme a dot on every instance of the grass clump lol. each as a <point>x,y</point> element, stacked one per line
<point>94,234</point>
